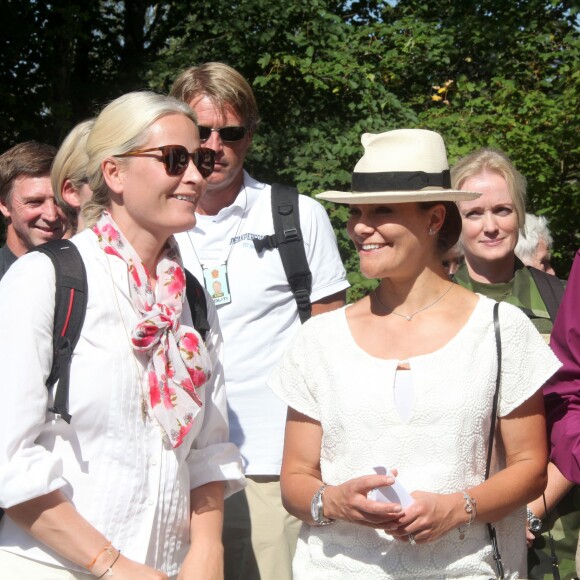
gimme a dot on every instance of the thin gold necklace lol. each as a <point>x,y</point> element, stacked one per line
<point>409,317</point>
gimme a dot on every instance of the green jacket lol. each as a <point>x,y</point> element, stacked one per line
<point>521,291</point>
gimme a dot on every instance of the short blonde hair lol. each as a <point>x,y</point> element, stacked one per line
<point>122,126</point>
<point>493,161</point>
<point>222,85</point>
<point>71,162</point>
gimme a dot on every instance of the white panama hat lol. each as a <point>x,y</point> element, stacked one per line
<point>404,165</point>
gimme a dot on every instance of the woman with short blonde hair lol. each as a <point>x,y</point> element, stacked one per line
<point>129,477</point>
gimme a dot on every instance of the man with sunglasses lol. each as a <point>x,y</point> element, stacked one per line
<point>256,308</point>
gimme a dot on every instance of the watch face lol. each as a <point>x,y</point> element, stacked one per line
<point>535,524</point>
<point>315,508</point>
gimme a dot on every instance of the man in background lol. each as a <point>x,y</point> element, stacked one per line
<point>453,259</point>
<point>27,201</point>
<point>256,308</point>
<point>534,247</point>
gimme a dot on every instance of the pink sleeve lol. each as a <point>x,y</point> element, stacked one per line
<point>562,391</point>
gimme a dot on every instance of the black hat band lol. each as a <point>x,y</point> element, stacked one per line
<point>399,181</point>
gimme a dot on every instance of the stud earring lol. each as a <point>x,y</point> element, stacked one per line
<point>431,232</point>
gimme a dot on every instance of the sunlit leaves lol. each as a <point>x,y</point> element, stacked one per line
<point>481,72</point>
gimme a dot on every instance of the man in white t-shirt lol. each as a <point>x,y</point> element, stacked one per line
<point>256,309</point>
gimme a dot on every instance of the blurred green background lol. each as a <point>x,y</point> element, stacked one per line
<point>503,74</point>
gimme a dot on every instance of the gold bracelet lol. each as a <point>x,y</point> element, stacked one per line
<point>109,570</point>
<point>94,560</point>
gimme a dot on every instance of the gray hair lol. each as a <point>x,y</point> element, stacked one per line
<point>535,229</point>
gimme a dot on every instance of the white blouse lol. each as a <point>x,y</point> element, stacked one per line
<point>111,461</point>
<point>440,447</point>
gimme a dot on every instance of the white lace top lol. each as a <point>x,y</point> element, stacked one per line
<point>441,448</point>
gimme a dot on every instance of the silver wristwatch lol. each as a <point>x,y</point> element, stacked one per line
<point>316,508</point>
<point>534,522</point>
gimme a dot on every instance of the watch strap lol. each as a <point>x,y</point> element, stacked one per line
<point>317,507</point>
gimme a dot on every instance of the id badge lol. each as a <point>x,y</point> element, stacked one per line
<point>216,283</point>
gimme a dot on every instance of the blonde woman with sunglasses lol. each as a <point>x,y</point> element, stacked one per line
<point>132,483</point>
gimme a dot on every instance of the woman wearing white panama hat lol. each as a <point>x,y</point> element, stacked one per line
<point>405,378</point>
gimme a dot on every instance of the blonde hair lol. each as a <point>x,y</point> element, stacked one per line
<point>222,85</point>
<point>71,162</point>
<point>493,161</point>
<point>122,126</point>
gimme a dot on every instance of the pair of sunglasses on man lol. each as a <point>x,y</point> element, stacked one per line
<point>175,158</point>
<point>227,134</point>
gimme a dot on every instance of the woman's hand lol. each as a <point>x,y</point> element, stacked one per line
<point>349,502</point>
<point>125,569</point>
<point>430,516</point>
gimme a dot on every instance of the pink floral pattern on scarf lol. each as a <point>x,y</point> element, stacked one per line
<point>179,362</point>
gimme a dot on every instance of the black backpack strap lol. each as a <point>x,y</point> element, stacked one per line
<point>288,239</point>
<point>551,290</point>
<point>69,314</point>
<point>197,303</point>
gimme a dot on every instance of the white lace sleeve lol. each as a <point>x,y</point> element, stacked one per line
<point>527,361</point>
<point>292,378</point>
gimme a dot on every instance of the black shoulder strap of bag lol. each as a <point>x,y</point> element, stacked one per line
<point>197,303</point>
<point>288,239</point>
<point>490,527</point>
<point>553,556</point>
<point>551,290</point>
<point>69,315</point>
<point>496,329</point>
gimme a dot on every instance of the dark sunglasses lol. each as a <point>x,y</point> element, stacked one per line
<point>226,133</point>
<point>176,158</point>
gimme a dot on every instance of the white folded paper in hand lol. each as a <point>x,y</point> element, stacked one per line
<point>395,493</point>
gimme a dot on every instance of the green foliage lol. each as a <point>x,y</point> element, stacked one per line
<point>516,87</point>
<point>321,80</point>
<point>485,72</point>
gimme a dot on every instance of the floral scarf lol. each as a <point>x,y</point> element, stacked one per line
<point>179,362</point>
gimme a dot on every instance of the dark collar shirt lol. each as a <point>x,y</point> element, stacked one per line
<point>7,258</point>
